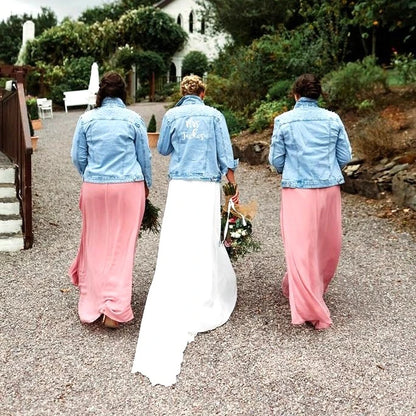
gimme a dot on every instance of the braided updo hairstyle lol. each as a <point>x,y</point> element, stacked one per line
<point>112,85</point>
<point>307,85</point>
<point>192,85</point>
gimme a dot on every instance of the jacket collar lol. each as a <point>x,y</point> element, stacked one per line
<point>189,99</point>
<point>113,102</point>
<point>306,102</point>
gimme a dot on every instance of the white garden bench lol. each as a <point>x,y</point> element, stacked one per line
<point>80,97</point>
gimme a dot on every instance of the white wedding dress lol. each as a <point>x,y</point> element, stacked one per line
<point>194,287</point>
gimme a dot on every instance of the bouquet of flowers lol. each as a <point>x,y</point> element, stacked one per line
<point>236,227</point>
<point>150,220</point>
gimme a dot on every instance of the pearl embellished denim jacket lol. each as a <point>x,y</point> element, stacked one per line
<point>110,145</point>
<point>196,136</point>
<point>309,146</point>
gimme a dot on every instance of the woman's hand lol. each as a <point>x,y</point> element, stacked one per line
<point>231,179</point>
<point>146,191</point>
<point>236,197</point>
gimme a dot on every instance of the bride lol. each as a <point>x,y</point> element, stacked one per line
<point>194,285</point>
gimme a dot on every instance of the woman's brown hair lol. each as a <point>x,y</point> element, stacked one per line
<point>112,85</point>
<point>307,85</point>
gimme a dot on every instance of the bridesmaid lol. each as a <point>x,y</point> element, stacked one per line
<point>111,152</point>
<point>309,147</point>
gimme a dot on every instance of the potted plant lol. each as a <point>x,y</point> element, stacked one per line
<point>152,134</point>
<point>32,108</point>
<point>33,137</point>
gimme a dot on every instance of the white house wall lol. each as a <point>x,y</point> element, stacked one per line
<point>206,43</point>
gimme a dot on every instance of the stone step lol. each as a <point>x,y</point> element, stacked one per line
<point>10,225</point>
<point>11,242</point>
<point>11,236</point>
<point>9,206</point>
<point>7,190</point>
<point>7,175</point>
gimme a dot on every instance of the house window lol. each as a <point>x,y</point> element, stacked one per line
<point>203,26</point>
<point>179,20</point>
<point>172,73</point>
<point>191,22</point>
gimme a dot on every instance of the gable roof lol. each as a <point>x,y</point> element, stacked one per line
<point>163,3</point>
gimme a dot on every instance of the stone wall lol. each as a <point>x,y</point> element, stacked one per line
<point>396,176</point>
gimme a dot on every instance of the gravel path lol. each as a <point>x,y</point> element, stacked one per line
<point>256,364</point>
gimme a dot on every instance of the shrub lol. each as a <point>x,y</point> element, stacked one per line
<point>32,108</point>
<point>125,57</point>
<point>405,66</point>
<point>374,138</point>
<point>280,89</point>
<point>73,75</point>
<point>168,92</point>
<point>142,92</point>
<point>33,82</point>
<point>253,71</point>
<point>235,123</point>
<point>151,128</point>
<point>366,105</point>
<point>265,114</point>
<point>217,89</point>
<point>195,62</point>
<point>355,82</point>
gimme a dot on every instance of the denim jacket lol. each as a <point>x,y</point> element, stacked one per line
<point>309,146</point>
<point>197,138</point>
<point>110,145</point>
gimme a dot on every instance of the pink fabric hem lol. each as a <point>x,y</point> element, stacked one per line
<point>103,267</point>
<point>311,232</point>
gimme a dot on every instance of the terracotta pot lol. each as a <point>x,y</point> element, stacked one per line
<point>153,138</point>
<point>37,124</point>
<point>34,142</point>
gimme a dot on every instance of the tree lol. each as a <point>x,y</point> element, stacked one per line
<point>149,65</point>
<point>45,20</point>
<point>327,23</point>
<point>195,62</point>
<point>246,20</point>
<point>112,44</point>
<point>67,41</point>
<point>374,16</point>
<point>112,11</point>
<point>151,30</point>
<point>11,32</point>
<point>104,38</point>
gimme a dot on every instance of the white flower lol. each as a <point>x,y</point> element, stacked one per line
<point>235,235</point>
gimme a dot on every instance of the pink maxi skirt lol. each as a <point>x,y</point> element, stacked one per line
<point>311,230</point>
<point>103,268</point>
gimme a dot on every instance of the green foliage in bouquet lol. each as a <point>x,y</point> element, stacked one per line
<point>229,189</point>
<point>239,240</point>
<point>150,220</point>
